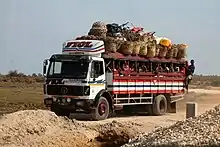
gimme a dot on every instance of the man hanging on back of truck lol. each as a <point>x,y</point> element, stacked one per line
<point>190,71</point>
<point>192,67</point>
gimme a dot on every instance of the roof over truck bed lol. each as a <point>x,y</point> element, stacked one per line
<point>120,56</point>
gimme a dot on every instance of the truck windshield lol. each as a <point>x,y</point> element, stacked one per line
<point>68,69</point>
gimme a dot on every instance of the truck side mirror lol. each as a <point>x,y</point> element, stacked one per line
<point>45,66</point>
<point>44,69</point>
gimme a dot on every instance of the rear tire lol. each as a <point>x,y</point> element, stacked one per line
<point>160,105</point>
<point>102,110</point>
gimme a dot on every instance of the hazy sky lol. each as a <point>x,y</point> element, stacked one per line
<point>32,30</point>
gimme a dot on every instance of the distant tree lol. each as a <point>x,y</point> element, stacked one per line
<point>34,75</point>
<point>12,73</point>
<point>15,73</point>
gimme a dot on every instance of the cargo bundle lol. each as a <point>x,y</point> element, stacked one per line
<point>134,41</point>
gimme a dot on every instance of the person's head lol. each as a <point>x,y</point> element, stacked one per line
<point>126,62</point>
<point>192,61</point>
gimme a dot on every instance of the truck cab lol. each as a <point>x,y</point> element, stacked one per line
<point>74,78</point>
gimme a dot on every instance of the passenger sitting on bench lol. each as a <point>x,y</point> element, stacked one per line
<point>171,68</point>
<point>144,68</point>
<point>126,66</point>
<point>159,68</point>
<point>132,67</point>
<point>117,69</point>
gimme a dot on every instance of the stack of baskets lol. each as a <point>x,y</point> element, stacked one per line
<point>143,45</point>
<point>131,43</point>
<point>98,29</point>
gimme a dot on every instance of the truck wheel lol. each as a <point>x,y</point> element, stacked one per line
<point>160,105</point>
<point>101,112</point>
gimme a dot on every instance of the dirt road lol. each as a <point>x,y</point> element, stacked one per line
<point>206,91</point>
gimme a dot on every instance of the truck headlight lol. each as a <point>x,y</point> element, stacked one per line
<point>63,100</point>
<point>68,100</point>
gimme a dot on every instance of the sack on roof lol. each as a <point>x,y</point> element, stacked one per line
<point>151,50</point>
<point>136,47</point>
<point>143,49</point>
<point>126,48</point>
<point>162,51</point>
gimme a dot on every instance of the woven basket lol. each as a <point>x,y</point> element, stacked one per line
<point>175,52</point>
<point>182,46</point>
<point>170,53</point>
<point>126,48</point>
<point>99,24</point>
<point>157,52</point>
<point>97,32</point>
<point>174,47</point>
<point>162,51</point>
<point>110,45</point>
<point>143,49</point>
<point>119,42</point>
<point>136,47</point>
<point>181,51</point>
<point>151,51</point>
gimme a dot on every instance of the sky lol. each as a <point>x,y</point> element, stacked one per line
<point>33,30</point>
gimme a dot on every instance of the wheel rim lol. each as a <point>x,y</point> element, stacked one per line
<point>102,108</point>
<point>162,106</point>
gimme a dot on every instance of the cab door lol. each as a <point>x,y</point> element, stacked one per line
<point>97,78</point>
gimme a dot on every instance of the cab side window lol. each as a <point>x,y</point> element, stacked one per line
<point>97,67</point>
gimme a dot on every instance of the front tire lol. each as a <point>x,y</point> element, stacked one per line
<point>102,110</point>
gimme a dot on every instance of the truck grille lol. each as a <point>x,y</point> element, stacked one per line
<point>68,90</point>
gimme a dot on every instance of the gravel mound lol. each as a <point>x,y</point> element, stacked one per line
<point>36,128</point>
<point>43,128</point>
<point>203,130</point>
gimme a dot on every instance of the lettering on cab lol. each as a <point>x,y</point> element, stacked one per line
<point>83,44</point>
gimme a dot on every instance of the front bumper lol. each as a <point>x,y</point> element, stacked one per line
<point>74,104</point>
